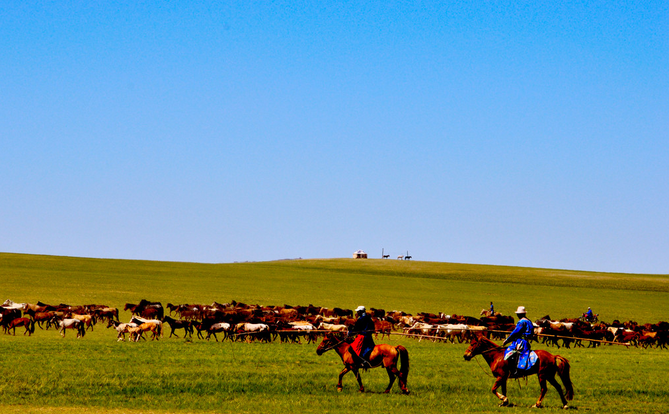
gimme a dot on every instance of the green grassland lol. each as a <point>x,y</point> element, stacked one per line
<point>49,374</point>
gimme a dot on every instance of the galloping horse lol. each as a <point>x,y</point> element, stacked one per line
<point>546,367</point>
<point>382,355</point>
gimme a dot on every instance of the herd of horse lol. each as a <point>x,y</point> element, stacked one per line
<point>237,321</point>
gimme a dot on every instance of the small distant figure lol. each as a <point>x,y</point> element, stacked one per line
<point>490,312</point>
<point>407,257</point>
<point>400,257</point>
<point>385,256</point>
<point>589,316</point>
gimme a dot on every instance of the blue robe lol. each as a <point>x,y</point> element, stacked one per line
<point>519,343</point>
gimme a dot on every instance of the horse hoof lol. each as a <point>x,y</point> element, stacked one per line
<point>537,406</point>
<point>406,392</point>
<point>339,389</point>
<point>566,407</point>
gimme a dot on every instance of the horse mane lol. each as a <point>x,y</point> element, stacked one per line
<point>488,342</point>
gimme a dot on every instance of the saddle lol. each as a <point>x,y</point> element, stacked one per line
<point>526,360</point>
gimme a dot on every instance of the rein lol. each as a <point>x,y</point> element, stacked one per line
<point>334,346</point>
<point>479,363</point>
<point>483,369</point>
<point>490,350</point>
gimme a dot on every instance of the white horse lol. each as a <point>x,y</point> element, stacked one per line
<point>8,304</point>
<point>422,327</point>
<point>70,323</point>
<point>332,327</point>
<point>260,330</point>
<point>122,329</point>
<point>452,331</point>
<point>301,325</point>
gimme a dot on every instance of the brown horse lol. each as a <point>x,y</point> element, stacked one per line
<point>546,367</point>
<point>382,355</point>
<point>27,323</point>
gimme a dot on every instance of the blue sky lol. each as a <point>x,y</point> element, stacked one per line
<point>526,134</point>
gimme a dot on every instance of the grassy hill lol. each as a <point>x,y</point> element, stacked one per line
<point>411,286</point>
<point>45,373</point>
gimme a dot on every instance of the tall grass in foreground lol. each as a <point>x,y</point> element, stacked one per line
<point>176,375</point>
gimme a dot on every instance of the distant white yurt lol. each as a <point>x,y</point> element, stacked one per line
<point>359,255</point>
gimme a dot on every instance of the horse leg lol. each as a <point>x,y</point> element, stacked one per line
<point>341,375</point>
<point>396,373</point>
<point>356,371</point>
<point>501,382</point>
<point>392,373</point>
<point>557,386</point>
<point>544,388</point>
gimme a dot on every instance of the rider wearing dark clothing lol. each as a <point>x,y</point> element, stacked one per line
<point>363,344</point>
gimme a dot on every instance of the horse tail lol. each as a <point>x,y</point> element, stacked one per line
<point>563,370</point>
<point>31,326</point>
<point>404,362</point>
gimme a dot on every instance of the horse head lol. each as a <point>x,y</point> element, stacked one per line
<point>478,345</point>
<point>330,341</point>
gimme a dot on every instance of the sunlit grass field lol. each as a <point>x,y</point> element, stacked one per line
<point>49,374</point>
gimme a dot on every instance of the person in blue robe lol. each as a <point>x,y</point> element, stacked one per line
<point>519,348</point>
<point>589,316</point>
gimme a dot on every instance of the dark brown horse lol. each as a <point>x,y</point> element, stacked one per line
<point>384,355</point>
<point>546,367</point>
<point>27,323</point>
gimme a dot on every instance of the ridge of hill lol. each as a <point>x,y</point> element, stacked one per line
<point>412,286</point>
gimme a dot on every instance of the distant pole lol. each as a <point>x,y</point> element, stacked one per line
<point>383,251</point>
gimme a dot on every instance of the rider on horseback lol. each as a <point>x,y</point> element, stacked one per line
<point>519,340</point>
<point>589,316</point>
<point>363,344</point>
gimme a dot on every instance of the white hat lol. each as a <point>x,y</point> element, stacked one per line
<point>360,309</point>
<point>521,309</point>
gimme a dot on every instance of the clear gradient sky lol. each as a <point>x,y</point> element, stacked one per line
<point>508,133</point>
